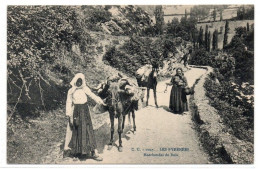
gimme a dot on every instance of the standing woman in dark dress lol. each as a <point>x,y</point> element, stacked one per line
<point>81,139</point>
<point>178,99</point>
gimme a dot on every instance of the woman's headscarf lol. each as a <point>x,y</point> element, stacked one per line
<point>76,77</point>
<point>69,104</point>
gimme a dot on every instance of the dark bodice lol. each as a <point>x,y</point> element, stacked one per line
<point>179,81</point>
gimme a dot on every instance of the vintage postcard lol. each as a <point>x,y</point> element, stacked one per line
<point>130,84</point>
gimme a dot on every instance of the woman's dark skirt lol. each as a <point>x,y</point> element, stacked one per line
<point>83,139</point>
<point>178,100</point>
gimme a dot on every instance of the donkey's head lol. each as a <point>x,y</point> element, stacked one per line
<point>113,90</point>
<point>155,72</point>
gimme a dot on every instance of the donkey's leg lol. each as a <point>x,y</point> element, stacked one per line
<point>112,119</point>
<point>123,125</point>
<point>120,131</point>
<point>147,98</point>
<point>133,116</point>
<point>142,94</point>
<point>155,97</point>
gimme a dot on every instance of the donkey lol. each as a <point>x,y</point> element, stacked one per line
<point>149,83</point>
<point>121,105</point>
<point>120,102</point>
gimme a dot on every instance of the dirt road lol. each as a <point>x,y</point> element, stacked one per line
<point>161,138</point>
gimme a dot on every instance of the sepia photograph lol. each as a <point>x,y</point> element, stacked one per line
<point>130,84</point>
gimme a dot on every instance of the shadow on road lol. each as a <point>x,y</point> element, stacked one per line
<point>102,135</point>
<point>166,108</point>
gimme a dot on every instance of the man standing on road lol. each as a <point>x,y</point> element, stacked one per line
<point>186,58</point>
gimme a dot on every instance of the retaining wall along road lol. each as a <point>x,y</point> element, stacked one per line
<point>223,147</point>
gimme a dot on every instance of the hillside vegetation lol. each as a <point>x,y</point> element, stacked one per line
<point>48,45</point>
<point>139,51</point>
<point>230,88</point>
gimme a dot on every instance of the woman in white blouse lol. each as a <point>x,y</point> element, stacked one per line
<point>80,138</point>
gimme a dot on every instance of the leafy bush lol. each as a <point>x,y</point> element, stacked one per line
<point>100,49</point>
<point>235,109</point>
<point>201,57</point>
<point>116,42</point>
<point>184,35</point>
<point>122,61</point>
<point>140,51</point>
<point>183,29</point>
<point>94,15</point>
<point>245,13</point>
<point>39,38</point>
<point>244,68</point>
<point>223,62</point>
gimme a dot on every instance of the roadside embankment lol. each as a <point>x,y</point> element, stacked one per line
<point>222,146</point>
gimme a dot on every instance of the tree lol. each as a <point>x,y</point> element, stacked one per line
<point>158,13</point>
<point>215,40</point>
<point>107,7</point>
<point>238,13</point>
<point>249,39</point>
<point>209,41</point>
<point>226,34</point>
<point>183,21</point>
<point>171,28</point>
<point>175,21</point>
<point>240,31</point>
<point>182,29</point>
<point>250,13</point>
<point>247,27</point>
<point>194,39</point>
<point>200,38</point>
<point>186,15</point>
<point>216,37</point>
<point>243,12</point>
<point>206,37</point>
<point>221,17</point>
<point>199,12</point>
<point>214,14</point>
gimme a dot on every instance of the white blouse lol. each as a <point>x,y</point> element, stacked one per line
<point>78,96</point>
